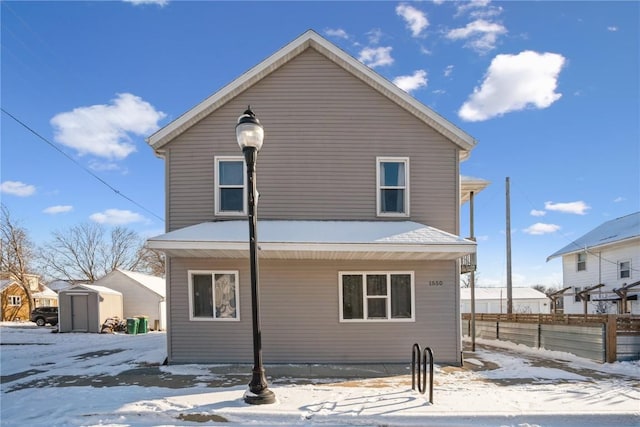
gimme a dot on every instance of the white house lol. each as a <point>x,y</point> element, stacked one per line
<point>494,300</point>
<point>143,295</point>
<point>603,268</point>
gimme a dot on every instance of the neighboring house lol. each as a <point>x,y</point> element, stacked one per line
<point>46,297</point>
<point>84,308</point>
<point>14,301</point>
<point>603,268</point>
<point>494,300</point>
<point>359,218</point>
<point>142,295</point>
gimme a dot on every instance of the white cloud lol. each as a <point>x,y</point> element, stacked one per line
<point>160,3</point>
<point>336,32</point>
<point>104,130</point>
<point>376,56</point>
<point>416,19</point>
<point>465,6</point>
<point>612,28</point>
<point>58,209</point>
<point>410,83</point>
<point>513,83</point>
<point>540,228</point>
<point>448,70</point>
<point>535,212</point>
<point>619,199</point>
<point>374,36</point>
<point>103,166</point>
<point>17,188</point>
<point>116,217</point>
<point>481,35</point>
<point>578,208</point>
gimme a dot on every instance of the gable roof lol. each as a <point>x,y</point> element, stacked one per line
<point>6,283</point>
<point>153,283</point>
<point>613,231</point>
<point>312,40</point>
<point>301,239</point>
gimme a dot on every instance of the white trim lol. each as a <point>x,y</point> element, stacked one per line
<point>364,274</point>
<point>216,186</point>
<point>407,174</point>
<point>212,273</point>
<point>629,269</point>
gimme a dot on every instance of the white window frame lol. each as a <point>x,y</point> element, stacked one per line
<point>218,187</point>
<point>14,300</point>
<point>191,273</point>
<point>364,274</point>
<point>578,261</point>
<point>628,269</point>
<point>379,188</point>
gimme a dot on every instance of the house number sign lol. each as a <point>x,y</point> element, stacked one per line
<point>436,282</point>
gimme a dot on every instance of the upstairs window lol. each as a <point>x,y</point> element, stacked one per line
<point>581,261</point>
<point>376,296</point>
<point>230,186</point>
<point>15,300</point>
<point>624,269</point>
<point>392,187</point>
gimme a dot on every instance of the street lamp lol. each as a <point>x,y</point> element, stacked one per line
<point>250,134</point>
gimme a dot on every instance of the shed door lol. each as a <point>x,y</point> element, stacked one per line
<point>79,313</point>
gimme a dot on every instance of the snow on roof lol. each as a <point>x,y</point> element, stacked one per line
<point>96,288</point>
<point>276,231</point>
<point>501,293</point>
<point>5,283</point>
<point>45,293</point>
<point>316,239</point>
<point>615,230</point>
<point>154,283</point>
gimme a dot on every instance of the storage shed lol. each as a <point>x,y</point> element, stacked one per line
<point>84,308</point>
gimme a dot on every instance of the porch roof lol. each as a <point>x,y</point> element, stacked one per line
<point>297,239</point>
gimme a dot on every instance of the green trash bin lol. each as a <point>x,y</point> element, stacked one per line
<point>143,324</point>
<point>132,325</point>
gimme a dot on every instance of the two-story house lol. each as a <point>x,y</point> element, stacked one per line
<point>601,269</point>
<point>358,219</point>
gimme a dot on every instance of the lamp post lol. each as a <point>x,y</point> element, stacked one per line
<point>250,135</point>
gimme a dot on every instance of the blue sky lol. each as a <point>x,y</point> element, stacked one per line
<point>549,89</point>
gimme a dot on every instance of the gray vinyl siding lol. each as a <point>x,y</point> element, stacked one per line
<point>300,315</point>
<point>324,129</point>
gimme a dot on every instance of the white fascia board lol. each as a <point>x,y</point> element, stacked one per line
<point>466,248</point>
<point>592,247</point>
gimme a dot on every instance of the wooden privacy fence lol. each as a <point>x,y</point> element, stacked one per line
<point>600,337</point>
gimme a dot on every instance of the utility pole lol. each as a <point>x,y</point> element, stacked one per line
<point>472,277</point>
<point>509,284</point>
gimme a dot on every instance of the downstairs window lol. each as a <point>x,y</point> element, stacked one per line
<point>376,296</point>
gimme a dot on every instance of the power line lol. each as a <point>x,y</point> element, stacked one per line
<point>102,181</point>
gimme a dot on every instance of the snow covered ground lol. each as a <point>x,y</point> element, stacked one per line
<point>116,380</point>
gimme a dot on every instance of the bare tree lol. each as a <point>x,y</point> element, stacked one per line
<point>152,261</point>
<point>86,252</point>
<point>16,253</point>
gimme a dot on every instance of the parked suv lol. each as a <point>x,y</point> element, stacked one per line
<point>43,315</point>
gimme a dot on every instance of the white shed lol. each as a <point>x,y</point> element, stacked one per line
<point>84,308</point>
<point>142,294</point>
<point>494,300</point>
